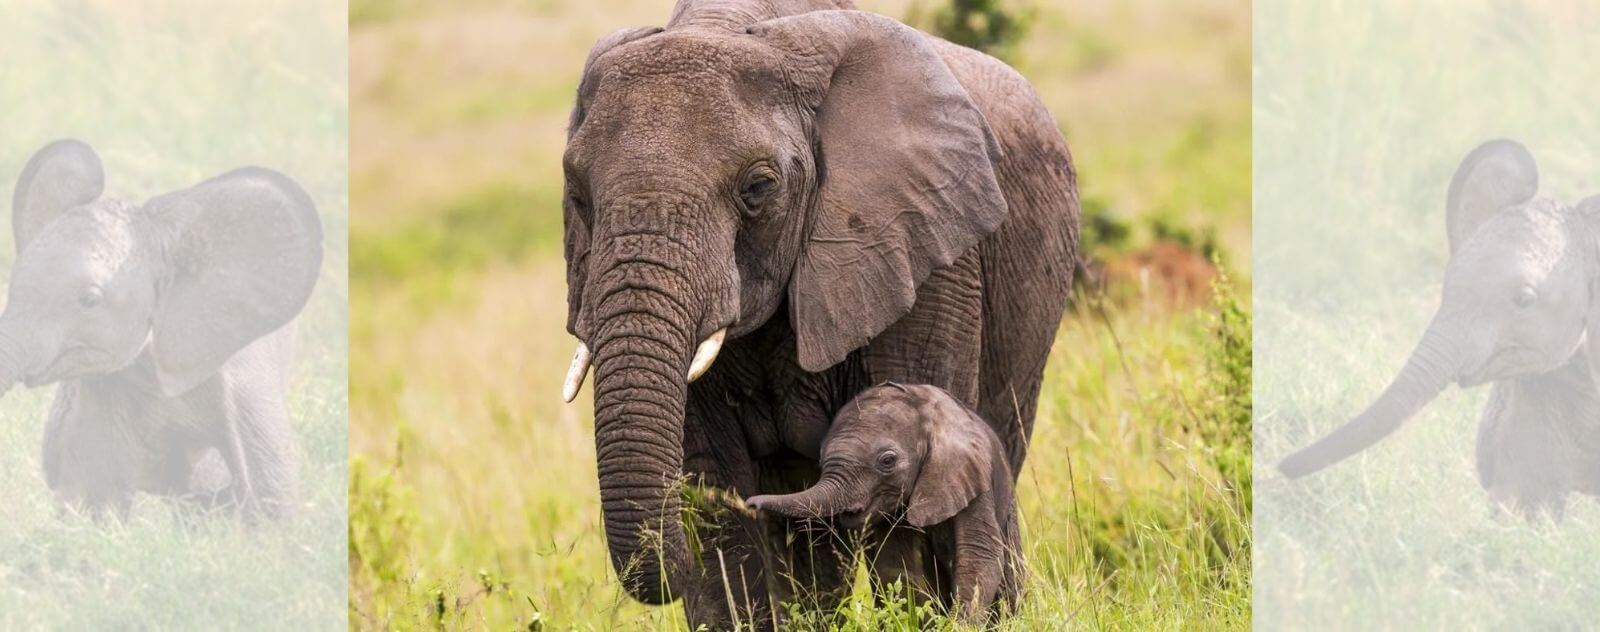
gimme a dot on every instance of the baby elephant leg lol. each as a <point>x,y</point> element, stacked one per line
<point>269,451</point>
<point>195,474</point>
<point>257,444</point>
<point>902,556</point>
<point>980,559</point>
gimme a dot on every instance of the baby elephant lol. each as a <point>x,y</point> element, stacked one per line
<point>168,326</point>
<point>914,455</point>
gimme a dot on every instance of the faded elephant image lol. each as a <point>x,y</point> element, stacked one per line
<point>168,324</point>
<point>1520,310</point>
<point>1427,419</point>
<point>174,314</point>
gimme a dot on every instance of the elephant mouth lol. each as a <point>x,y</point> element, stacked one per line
<point>73,362</point>
<point>853,519</point>
<point>1505,363</point>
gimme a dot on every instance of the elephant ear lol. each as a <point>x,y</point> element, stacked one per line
<point>907,167</point>
<point>62,175</point>
<point>575,227</point>
<point>243,253</point>
<point>1497,175</point>
<point>1589,214</point>
<point>959,462</point>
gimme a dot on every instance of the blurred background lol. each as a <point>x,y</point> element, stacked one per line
<point>473,493</point>
<point>1362,113</point>
<point>171,93</point>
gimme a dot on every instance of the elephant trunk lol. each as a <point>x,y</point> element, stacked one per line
<point>830,496</point>
<point>640,393</point>
<point>14,356</point>
<point>1431,367</point>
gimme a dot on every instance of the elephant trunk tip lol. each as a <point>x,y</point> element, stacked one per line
<point>1298,465</point>
<point>646,574</point>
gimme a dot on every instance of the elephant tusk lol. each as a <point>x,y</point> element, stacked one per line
<point>706,354</point>
<point>576,373</point>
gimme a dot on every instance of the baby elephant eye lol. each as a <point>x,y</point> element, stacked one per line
<point>1525,296</point>
<point>888,460</point>
<point>91,298</point>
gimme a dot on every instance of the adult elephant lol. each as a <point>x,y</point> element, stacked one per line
<point>816,199</point>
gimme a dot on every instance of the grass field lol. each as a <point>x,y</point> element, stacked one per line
<point>1362,114</point>
<point>171,93</point>
<point>473,494</point>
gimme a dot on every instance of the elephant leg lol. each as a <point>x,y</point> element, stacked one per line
<point>231,446</point>
<point>269,452</point>
<point>728,589</point>
<point>207,482</point>
<point>171,468</point>
<point>813,561</point>
<point>748,564</point>
<point>252,434</point>
<point>817,559</point>
<point>900,562</point>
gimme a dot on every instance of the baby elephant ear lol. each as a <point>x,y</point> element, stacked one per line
<point>244,252</point>
<point>959,464</point>
<point>1497,175</point>
<point>908,178</point>
<point>64,174</point>
<point>1589,214</point>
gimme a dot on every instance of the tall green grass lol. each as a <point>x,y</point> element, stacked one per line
<point>473,493</point>
<point>1363,111</point>
<point>171,93</point>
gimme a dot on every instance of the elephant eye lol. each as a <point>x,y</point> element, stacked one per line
<point>91,298</point>
<point>887,460</point>
<point>759,185</point>
<point>1525,296</point>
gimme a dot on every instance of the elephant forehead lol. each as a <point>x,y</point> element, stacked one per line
<point>687,52</point>
<point>1532,239</point>
<point>675,80</point>
<point>100,236</point>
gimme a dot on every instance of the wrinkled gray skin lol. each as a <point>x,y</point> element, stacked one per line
<point>912,456</point>
<point>1519,308</point>
<point>856,202</point>
<point>167,326</point>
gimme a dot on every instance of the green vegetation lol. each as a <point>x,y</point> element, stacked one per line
<point>171,95</point>
<point>1362,114</point>
<point>987,25</point>
<point>473,493</point>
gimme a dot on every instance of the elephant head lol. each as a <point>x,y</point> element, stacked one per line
<point>894,449</point>
<point>827,162</point>
<point>1519,297</point>
<point>188,278</point>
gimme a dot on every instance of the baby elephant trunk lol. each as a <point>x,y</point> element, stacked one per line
<point>829,497</point>
<point>1431,367</point>
<point>13,355</point>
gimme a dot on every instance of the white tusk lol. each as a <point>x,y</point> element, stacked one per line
<point>576,373</point>
<point>706,354</point>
